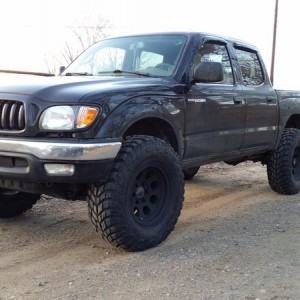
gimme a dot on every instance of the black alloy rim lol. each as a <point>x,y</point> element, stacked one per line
<point>296,164</point>
<point>148,199</point>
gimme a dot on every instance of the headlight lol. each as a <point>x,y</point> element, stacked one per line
<point>68,117</point>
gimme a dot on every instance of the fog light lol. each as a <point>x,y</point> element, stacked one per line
<point>60,169</point>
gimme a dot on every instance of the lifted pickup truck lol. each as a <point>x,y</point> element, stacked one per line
<point>132,117</point>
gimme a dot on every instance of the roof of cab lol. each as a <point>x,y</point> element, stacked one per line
<point>234,41</point>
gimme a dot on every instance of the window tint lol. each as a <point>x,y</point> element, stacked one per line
<point>216,53</point>
<point>250,67</point>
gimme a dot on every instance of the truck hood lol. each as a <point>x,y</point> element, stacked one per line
<point>74,88</point>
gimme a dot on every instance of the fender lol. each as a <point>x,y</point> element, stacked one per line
<point>289,109</point>
<point>167,108</point>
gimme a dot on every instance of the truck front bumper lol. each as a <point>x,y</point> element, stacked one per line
<point>56,161</point>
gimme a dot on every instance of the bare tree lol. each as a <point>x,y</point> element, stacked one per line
<point>84,37</point>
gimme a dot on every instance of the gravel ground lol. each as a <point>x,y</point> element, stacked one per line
<point>235,239</point>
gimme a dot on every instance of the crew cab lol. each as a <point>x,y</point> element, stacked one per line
<point>134,116</point>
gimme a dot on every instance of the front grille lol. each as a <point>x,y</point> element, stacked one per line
<point>12,115</point>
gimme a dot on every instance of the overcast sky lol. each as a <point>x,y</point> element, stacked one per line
<point>31,29</point>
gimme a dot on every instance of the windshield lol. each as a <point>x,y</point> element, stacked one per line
<point>152,55</point>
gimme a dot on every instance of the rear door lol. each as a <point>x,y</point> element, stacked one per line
<point>215,112</point>
<point>261,101</point>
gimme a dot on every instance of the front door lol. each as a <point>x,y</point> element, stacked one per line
<point>215,112</point>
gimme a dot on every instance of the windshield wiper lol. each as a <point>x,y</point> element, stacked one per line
<point>127,72</point>
<point>78,74</point>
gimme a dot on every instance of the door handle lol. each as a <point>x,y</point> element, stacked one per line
<point>270,99</point>
<point>238,100</point>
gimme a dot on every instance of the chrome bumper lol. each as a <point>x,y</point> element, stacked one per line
<point>61,151</point>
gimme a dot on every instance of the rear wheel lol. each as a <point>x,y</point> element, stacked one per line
<point>190,173</point>
<point>14,203</point>
<point>284,164</point>
<point>140,204</point>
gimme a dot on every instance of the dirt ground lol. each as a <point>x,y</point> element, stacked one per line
<point>235,239</point>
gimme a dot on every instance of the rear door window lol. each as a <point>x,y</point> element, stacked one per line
<point>250,67</point>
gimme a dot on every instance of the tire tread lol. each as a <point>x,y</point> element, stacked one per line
<point>106,212</point>
<point>279,167</point>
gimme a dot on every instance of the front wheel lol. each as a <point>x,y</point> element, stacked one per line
<point>140,204</point>
<point>14,203</point>
<point>284,164</point>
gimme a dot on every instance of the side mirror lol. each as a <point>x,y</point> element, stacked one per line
<point>208,71</point>
<point>61,70</point>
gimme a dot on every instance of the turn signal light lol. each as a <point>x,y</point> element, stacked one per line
<point>86,116</point>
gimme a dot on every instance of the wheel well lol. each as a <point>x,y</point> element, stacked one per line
<point>154,127</point>
<point>293,122</point>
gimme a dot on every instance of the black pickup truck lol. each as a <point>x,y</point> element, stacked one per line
<point>131,118</point>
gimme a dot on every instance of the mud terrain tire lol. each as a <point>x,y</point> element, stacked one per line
<point>284,164</point>
<point>140,204</point>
